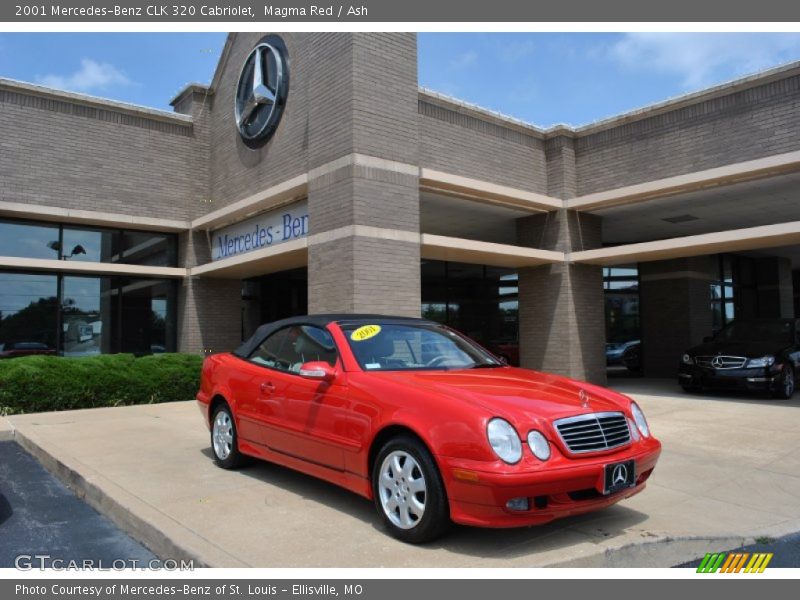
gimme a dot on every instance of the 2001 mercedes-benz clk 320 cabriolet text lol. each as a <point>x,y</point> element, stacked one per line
<point>425,422</point>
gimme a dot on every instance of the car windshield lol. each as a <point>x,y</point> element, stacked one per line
<point>414,347</point>
<point>756,331</point>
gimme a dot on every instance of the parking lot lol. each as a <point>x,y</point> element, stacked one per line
<point>729,473</point>
<point>40,517</point>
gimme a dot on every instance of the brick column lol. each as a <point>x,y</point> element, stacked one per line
<point>775,287</point>
<point>561,306</point>
<point>363,178</point>
<point>209,310</point>
<point>675,308</point>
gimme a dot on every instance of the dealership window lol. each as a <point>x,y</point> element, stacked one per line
<point>148,248</point>
<point>29,240</point>
<point>86,329</point>
<point>621,287</point>
<point>734,290</point>
<point>75,315</point>
<point>88,244</point>
<point>28,312</point>
<point>479,300</point>
<point>147,315</point>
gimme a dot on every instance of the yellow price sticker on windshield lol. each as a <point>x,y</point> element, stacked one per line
<point>365,332</point>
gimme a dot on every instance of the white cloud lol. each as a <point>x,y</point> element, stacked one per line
<point>464,60</point>
<point>703,58</point>
<point>511,51</point>
<point>92,76</point>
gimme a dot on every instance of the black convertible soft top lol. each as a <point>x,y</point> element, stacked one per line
<point>247,347</point>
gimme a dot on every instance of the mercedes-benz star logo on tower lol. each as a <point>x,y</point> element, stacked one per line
<point>584,397</point>
<point>261,91</point>
<point>620,475</point>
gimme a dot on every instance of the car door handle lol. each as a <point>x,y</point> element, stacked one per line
<point>267,387</point>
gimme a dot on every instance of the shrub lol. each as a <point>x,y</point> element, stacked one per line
<point>45,383</point>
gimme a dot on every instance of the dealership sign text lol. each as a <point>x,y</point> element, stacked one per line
<point>262,231</point>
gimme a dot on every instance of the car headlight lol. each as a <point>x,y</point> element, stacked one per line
<point>539,445</point>
<point>638,418</point>
<point>687,360</point>
<point>764,361</point>
<point>504,440</point>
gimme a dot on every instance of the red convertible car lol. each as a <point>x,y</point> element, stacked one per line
<point>425,422</point>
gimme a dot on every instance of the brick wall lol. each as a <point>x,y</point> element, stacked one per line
<point>453,141</point>
<point>209,314</point>
<point>70,154</point>
<point>741,126</point>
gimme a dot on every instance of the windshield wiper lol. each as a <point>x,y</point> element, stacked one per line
<point>486,366</point>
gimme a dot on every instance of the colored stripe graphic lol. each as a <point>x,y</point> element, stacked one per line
<point>759,562</point>
<point>741,562</point>
<point>731,560</point>
<point>734,563</point>
<point>704,563</point>
<point>711,562</point>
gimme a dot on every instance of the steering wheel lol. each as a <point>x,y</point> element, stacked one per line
<point>438,360</point>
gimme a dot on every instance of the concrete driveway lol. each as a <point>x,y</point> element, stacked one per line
<point>729,472</point>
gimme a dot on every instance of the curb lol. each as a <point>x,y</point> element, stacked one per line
<point>6,430</point>
<point>160,534</point>
<point>655,553</point>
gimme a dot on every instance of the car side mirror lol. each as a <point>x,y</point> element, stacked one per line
<point>318,369</point>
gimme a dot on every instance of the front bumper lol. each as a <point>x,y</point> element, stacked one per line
<point>557,488</point>
<point>753,379</point>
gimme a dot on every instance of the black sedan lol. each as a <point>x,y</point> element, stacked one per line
<point>761,354</point>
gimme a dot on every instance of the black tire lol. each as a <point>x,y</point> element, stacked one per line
<point>435,519</point>
<point>233,459</point>
<point>784,388</point>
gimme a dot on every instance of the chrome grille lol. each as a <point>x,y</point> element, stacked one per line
<point>593,432</point>
<point>724,362</point>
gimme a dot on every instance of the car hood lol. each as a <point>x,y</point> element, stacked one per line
<point>748,349</point>
<point>513,392</point>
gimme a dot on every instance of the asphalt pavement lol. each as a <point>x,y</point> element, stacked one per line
<point>40,516</point>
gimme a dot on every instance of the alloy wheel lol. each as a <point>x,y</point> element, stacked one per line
<point>402,489</point>
<point>222,435</point>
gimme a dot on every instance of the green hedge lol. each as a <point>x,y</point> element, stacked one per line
<point>43,383</point>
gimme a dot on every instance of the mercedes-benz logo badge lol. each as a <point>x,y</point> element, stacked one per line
<point>261,91</point>
<point>717,362</point>
<point>620,475</point>
<point>584,397</point>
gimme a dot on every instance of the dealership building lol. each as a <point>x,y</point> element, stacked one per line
<point>314,175</point>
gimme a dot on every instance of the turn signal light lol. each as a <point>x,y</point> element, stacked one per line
<point>465,475</point>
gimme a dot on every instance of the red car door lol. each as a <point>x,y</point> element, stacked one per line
<point>259,386</point>
<point>258,407</point>
<point>314,411</point>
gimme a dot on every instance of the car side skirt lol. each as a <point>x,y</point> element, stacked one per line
<point>346,479</point>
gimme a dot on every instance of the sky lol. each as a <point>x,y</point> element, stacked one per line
<point>542,78</point>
